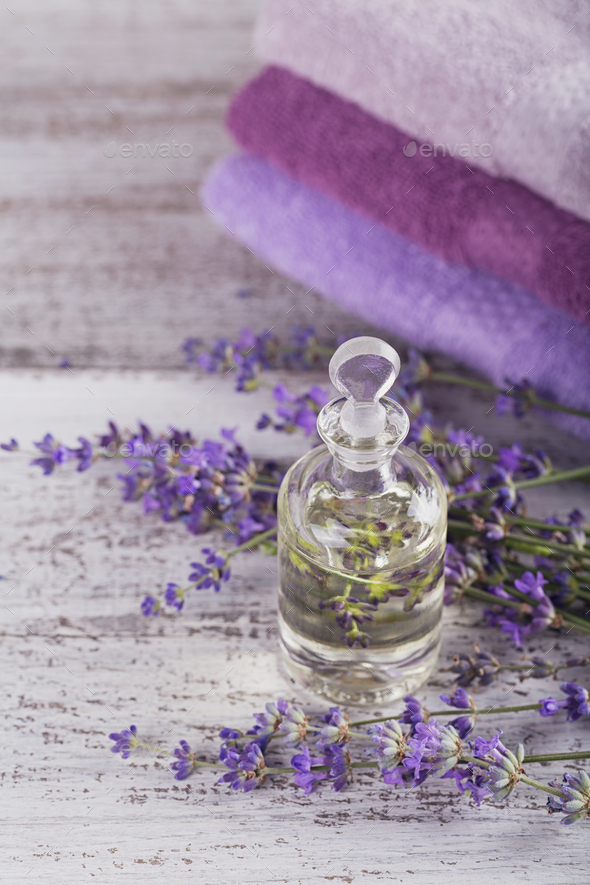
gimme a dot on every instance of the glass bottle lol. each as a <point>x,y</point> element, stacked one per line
<point>362,532</point>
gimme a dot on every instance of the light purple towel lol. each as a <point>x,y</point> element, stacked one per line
<point>514,74</point>
<point>494,327</point>
<point>439,203</point>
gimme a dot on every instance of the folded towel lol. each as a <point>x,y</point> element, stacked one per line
<point>497,328</point>
<point>514,76</point>
<point>461,214</point>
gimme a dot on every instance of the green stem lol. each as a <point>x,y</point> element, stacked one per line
<point>454,711</point>
<point>482,385</point>
<point>516,540</point>
<point>553,757</point>
<point>255,541</point>
<point>269,480</point>
<point>443,378</point>
<point>575,620</point>
<point>579,623</point>
<point>483,596</point>
<point>159,750</point>
<point>545,787</point>
<point>546,479</point>
<point>260,487</point>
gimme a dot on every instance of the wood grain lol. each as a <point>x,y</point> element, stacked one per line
<point>115,279</point>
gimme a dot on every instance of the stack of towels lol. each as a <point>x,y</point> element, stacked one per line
<point>427,166</point>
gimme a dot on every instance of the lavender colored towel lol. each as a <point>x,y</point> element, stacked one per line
<point>461,214</point>
<point>514,75</point>
<point>494,327</point>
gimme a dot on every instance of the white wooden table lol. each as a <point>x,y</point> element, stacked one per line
<point>117,295</point>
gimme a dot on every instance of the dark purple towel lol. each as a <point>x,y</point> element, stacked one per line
<point>440,203</point>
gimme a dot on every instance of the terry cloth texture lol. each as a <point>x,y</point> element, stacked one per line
<point>438,202</point>
<point>495,327</point>
<point>512,75</point>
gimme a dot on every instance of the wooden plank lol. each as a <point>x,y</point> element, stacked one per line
<point>78,661</point>
<point>113,266</point>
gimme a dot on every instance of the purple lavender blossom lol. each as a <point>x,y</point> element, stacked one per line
<point>391,749</point>
<point>294,725</point>
<point>518,404</point>
<point>246,767</point>
<point>185,761</point>
<point>506,768</point>
<point>150,606</point>
<point>413,713</point>
<point>125,741</point>
<point>248,527</point>
<point>340,773</point>
<point>336,729</point>
<point>54,454</point>
<point>459,572</point>
<point>549,706</point>
<point>575,804</point>
<point>480,666</point>
<point>463,701</point>
<point>296,412</point>
<point>213,572</point>
<point>230,734</point>
<point>304,776</point>
<point>467,782</point>
<point>174,596</point>
<point>269,721</point>
<point>11,446</point>
<point>84,454</point>
<point>577,703</point>
<point>433,749</point>
<point>520,623</point>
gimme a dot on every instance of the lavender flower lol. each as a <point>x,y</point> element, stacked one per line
<point>174,596</point>
<point>549,706</point>
<point>434,749</point>
<point>246,767</point>
<point>54,454</point>
<point>518,404</point>
<point>391,750</point>
<point>336,730</point>
<point>296,411</point>
<point>468,782</point>
<point>230,736</point>
<point>413,713</point>
<point>577,524</point>
<point>350,612</point>
<point>185,761</point>
<point>150,606</point>
<point>125,741</point>
<point>461,571</point>
<point>480,666</point>
<point>11,446</point>
<point>213,572</point>
<point>294,725</point>
<point>533,619</point>
<point>575,804</point>
<point>304,775</point>
<point>506,769</point>
<point>463,701</point>
<point>577,703</point>
<point>495,528</point>
<point>268,722</point>
<point>340,773</point>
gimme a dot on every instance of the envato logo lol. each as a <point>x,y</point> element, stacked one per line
<point>474,149</point>
<point>147,150</point>
<point>463,450</point>
<point>149,450</point>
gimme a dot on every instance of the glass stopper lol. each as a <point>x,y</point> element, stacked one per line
<point>363,370</point>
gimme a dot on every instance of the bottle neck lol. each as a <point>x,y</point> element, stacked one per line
<point>363,465</point>
<point>367,477</point>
